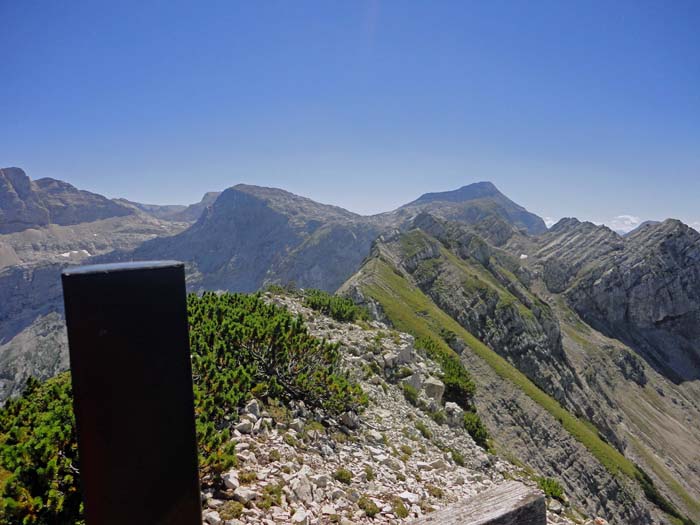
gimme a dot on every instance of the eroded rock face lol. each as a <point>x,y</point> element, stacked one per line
<point>20,205</point>
<point>648,295</point>
<point>485,290</point>
<point>28,204</point>
<point>531,433</point>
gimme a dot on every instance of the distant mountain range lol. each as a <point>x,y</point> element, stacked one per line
<point>29,204</point>
<point>602,326</point>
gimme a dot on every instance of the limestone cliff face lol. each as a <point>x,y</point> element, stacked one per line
<point>649,296</point>
<point>485,290</point>
<point>643,289</point>
<point>20,205</point>
<point>32,335</point>
<point>527,432</point>
<point>29,204</point>
<point>571,245</point>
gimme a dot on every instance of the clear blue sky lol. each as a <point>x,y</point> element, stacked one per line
<point>587,109</point>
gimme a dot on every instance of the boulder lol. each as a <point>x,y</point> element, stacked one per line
<point>454,414</point>
<point>244,495</point>
<point>253,407</point>
<point>406,356</point>
<point>390,359</point>
<point>300,517</point>
<point>231,480</point>
<point>244,427</point>
<point>212,517</point>
<point>434,388</point>
<point>415,380</point>
<point>350,420</point>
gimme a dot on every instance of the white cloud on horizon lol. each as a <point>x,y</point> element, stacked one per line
<point>549,222</point>
<point>624,222</point>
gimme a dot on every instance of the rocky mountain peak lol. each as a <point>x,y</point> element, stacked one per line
<point>29,204</point>
<point>294,205</point>
<point>657,231</point>
<point>54,185</point>
<point>474,204</point>
<point>477,190</point>
<point>646,293</point>
<point>572,224</point>
<point>565,223</point>
<point>17,178</point>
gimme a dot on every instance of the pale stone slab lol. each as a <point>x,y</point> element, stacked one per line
<point>510,503</point>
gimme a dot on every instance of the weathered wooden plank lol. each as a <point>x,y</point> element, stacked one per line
<point>510,503</point>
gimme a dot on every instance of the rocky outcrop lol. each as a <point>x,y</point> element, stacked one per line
<point>21,204</point>
<point>29,204</point>
<point>571,245</point>
<point>8,256</point>
<point>40,350</point>
<point>32,331</point>
<point>648,294</point>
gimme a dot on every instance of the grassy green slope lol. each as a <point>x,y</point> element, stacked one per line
<point>584,336</point>
<point>411,311</point>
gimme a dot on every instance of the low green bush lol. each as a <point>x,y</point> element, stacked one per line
<point>39,452</point>
<point>410,393</point>
<point>240,344</point>
<point>551,488</point>
<point>435,491</point>
<point>339,308</point>
<point>398,508</point>
<point>343,475</point>
<point>425,431</point>
<point>459,386</point>
<point>457,457</point>
<point>476,429</point>
<point>439,417</point>
<point>271,496</point>
<point>369,506</point>
<point>231,510</point>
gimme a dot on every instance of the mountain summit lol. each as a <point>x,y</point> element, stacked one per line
<point>470,192</point>
<point>474,203</point>
<point>25,203</point>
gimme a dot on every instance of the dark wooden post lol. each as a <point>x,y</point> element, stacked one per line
<point>132,389</point>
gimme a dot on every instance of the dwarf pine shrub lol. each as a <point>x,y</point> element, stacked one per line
<point>239,344</point>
